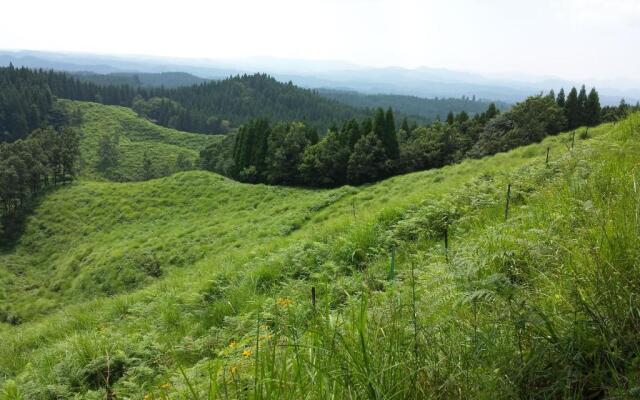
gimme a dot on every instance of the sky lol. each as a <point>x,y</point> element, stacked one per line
<point>571,39</point>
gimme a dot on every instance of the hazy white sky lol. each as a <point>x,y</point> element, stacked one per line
<point>574,39</point>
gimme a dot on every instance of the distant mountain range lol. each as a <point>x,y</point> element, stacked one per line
<point>422,82</point>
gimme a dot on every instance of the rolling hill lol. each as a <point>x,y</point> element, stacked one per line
<point>135,137</point>
<point>195,286</point>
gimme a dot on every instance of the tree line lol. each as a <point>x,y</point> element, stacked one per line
<point>376,147</point>
<point>418,108</point>
<point>212,107</point>
<point>47,157</point>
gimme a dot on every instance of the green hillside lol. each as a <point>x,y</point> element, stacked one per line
<point>135,137</point>
<point>194,286</point>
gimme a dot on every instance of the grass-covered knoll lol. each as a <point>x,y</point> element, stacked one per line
<point>542,305</point>
<point>135,137</point>
<point>94,239</point>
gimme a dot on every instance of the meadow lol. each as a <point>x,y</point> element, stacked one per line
<point>135,138</point>
<point>193,286</point>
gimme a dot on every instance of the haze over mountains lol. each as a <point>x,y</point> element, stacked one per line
<point>422,82</point>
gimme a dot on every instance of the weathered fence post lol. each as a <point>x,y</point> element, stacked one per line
<point>392,264</point>
<point>547,160</point>
<point>446,243</point>
<point>506,208</point>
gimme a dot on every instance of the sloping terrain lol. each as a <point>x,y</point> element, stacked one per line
<point>194,286</point>
<point>134,137</point>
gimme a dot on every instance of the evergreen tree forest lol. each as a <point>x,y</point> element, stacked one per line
<point>377,147</point>
<point>47,157</point>
<point>26,101</point>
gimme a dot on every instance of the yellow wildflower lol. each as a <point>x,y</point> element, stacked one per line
<point>284,302</point>
<point>247,353</point>
<point>232,344</point>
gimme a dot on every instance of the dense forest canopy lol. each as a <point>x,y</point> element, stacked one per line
<point>141,79</point>
<point>426,109</point>
<point>209,108</point>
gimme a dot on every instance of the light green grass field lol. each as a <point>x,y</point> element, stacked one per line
<point>136,136</point>
<point>195,286</point>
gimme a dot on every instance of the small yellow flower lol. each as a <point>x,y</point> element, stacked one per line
<point>284,302</point>
<point>247,353</point>
<point>165,386</point>
<point>232,344</point>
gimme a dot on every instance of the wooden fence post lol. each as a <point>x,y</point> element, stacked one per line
<point>446,243</point>
<point>547,160</point>
<point>506,208</point>
<point>392,264</point>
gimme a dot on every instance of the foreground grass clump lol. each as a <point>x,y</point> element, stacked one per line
<point>543,304</point>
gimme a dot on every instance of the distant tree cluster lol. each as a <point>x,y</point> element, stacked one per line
<point>166,112</point>
<point>421,109</point>
<point>46,157</point>
<point>141,79</point>
<point>375,148</point>
<point>579,109</point>
<point>614,114</point>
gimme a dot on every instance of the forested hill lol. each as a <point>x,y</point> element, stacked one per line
<point>241,98</point>
<point>428,109</point>
<point>210,108</point>
<point>141,79</point>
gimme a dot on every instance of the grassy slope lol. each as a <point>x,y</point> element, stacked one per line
<point>136,137</point>
<point>227,249</point>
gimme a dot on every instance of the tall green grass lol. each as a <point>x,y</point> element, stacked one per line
<point>137,138</point>
<point>543,305</point>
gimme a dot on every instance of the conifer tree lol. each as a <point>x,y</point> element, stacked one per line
<point>572,109</point>
<point>450,118</point>
<point>593,108</point>
<point>583,117</point>
<point>390,139</point>
<point>379,123</point>
<point>491,112</point>
<point>405,125</point>
<point>560,101</point>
